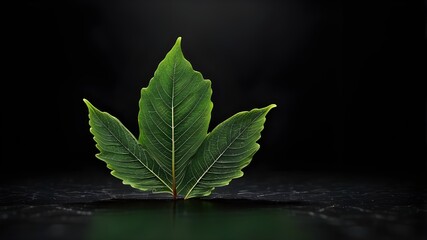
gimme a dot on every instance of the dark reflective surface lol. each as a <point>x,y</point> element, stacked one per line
<point>195,219</point>
<point>272,206</point>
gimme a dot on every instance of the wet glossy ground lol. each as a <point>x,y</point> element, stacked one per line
<point>269,206</point>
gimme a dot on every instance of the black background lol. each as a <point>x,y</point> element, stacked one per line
<point>346,76</point>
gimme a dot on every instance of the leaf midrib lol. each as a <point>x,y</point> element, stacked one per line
<point>204,173</point>
<point>139,160</point>
<point>173,130</point>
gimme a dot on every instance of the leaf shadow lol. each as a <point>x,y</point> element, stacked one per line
<point>202,204</point>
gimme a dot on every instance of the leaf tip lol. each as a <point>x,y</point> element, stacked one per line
<point>178,42</point>
<point>89,105</point>
<point>86,102</point>
<point>271,106</point>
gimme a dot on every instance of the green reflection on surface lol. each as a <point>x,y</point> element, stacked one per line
<point>194,219</point>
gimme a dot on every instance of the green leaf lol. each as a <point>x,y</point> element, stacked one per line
<point>174,152</point>
<point>123,154</point>
<point>226,150</point>
<point>175,110</point>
